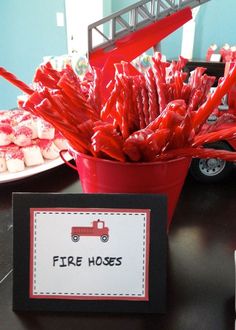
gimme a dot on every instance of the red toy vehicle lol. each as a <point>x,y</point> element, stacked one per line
<point>98,228</point>
<point>216,170</point>
<point>130,38</point>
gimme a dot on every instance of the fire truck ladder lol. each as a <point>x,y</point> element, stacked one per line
<point>133,18</point>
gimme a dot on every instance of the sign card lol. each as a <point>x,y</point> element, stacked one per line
<point>87,252</point>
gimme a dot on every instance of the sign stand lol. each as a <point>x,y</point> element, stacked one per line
<point>89,252</point>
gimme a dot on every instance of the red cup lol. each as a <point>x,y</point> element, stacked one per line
<point>105,176</point>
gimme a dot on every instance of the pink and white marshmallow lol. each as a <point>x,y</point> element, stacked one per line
<point>32,155</point>
<point>15,160</point>
<point>30,122</point>
<point>49,149</point>
<point>5,134</point>
<point>60,141</point>
<point>5,117</point>
<point>22,136</point>
<point>3,165</point>
<point>45,130</point>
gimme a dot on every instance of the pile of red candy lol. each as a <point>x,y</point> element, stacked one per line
<point>151,116</point>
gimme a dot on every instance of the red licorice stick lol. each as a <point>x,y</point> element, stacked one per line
<point>185,93</point>
<point>170,120</point>
<point>139,104</point>
<point>74,81</point>
<point>136,144</point>
<point>144,95</point>
<point>125,68</point>
<point>172,69</point>
<point>214,99</point>
<point>64,109</point>
<point>154,125</point>
<point>152,95</point>
<point>68,107</point>
<point>67,87</point>
<point>75,113</point>
<point>207,82</point>
<point>122,118</point>
<point>173,114</point>
<point>107,140</point>
<point>178,85</point>
<point>48,70</point>
<point>130,106</point>
<point>135,95</point>
<point>197,153</point>
<point>188,132</point>
<point>116,110</point>
<point>195,99</point>
<point>45,80</point>
<point>226,118</point>
<point>214,136</point>
<point>71,133</point>
<point>160,67</point>
<point>106,110</point>
<point>157,142</point>
<point>160,83</point>
<point>195,77</point>
<point>86,130</point>
<point>95,92</point>
<point>177,139</point>
<point>58,109</point>
<point>168,89</point>
<point>124,105</point>
<point>30,102</point>
<point>180,64</point>
<point>15,81</point>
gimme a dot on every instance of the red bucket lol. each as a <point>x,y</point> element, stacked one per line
<point>105,176</point>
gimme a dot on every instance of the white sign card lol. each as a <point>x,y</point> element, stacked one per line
<point>89,252</point>
<point>95,254</point>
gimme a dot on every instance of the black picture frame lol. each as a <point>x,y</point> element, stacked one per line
<point>23,202</point>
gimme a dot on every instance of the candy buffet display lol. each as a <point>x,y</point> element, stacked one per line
<point>152,116</point>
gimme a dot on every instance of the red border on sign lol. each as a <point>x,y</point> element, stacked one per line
<point>81,297</point>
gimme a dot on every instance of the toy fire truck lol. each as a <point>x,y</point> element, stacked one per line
<point>123,40</point>
<point>98,228</point>
<point>215,170</point>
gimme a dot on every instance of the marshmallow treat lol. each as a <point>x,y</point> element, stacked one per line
<point>32,155</point>
<point>15,160</point>
<point>3,165</point>
<point>49,149</point>
<point>60,141</point>
<point>5,134</point>
<point>45,130</point>
<point>22,136</point>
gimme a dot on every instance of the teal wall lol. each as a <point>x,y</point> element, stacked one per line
<point>215,23</point>
<point>28,32</point>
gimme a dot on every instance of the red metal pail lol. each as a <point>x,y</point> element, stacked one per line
<point>105,176</point>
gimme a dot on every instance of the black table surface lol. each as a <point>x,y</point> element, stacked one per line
<point>201,244</point>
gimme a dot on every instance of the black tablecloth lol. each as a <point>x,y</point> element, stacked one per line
<point>201,243</point>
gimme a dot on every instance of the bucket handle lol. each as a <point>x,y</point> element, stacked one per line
<point>66,161</point>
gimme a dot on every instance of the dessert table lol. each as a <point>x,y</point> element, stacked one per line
<point>200,281</point>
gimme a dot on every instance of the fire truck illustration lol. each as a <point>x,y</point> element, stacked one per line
<point>98,228</point>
